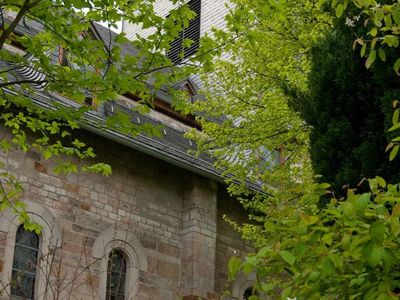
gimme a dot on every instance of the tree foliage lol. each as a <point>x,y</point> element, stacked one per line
<point>380,23</point>
<point>248,126</point>
<point>73,58</point>
<point>347,249</point>
<point>349,109</point>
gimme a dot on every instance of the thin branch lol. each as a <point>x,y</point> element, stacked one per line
<point>5,84</point>
<point>27,5</point>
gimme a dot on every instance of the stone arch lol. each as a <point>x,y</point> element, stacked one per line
<point>242,283</point>
<point>50,239</point>
<point>126,242</point>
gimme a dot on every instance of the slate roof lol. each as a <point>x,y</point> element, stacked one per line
<point>172,146</point>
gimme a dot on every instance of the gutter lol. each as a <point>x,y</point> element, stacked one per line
<point>141,146</point>
<point>140,143</point>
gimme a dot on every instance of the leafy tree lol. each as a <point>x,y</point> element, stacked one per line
<point>348,108</point>
<point>380,21</point>
<point>347,249</point>
<point>258,137</point>
<point>73,57</point>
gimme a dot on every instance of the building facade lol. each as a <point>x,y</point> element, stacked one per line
<point>154,229</point>
<point>165,221</point>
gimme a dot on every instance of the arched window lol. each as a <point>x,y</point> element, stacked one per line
<point>116,276</point>
<point>131,253</point>
<point>24,263</point>
<point>36,270</point>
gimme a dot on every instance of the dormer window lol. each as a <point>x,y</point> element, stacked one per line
<point>177,52</point>
<point>187,87</point>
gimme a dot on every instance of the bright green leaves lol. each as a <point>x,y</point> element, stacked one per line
<point>339,6</point>
<point>347,250</point>
<point>396,65</point>
<point>270,55</point>
<point>391,41</point>
<point>11,190</point>
<point>372,253</point>
<point>363,49</point>
<point>381,21</point>
<point>100,168</point>
<point>371,58</point>
<point>394,144</point>
<point>287,257</point>
<point>394,152</point>
<point>327,267</point>
<point>233,267</point>
<point>377,231</point>
<point>339,10</point>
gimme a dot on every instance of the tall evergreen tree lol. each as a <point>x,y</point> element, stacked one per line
<point>349,110</point>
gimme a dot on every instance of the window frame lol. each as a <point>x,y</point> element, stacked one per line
<point>135,256</point>
<point>19,245</point>
<point>49,238</point>
<point>111,272</point>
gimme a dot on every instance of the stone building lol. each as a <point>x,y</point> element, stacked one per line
<point>152,230</point>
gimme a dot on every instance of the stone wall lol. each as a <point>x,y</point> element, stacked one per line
<point>229,244</point>
<point>171,212</point>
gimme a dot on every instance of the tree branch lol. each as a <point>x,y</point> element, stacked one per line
<point>5,84</point>
<point>6,32</point>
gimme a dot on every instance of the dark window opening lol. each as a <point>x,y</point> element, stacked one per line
<point>62,56</point>
<point>89,100</point>
<point>116,276</point>
<point>177,52</point>
<point>24,264</point>
<point>248,293</point>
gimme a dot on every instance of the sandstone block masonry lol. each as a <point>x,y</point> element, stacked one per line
<point>167,219</point>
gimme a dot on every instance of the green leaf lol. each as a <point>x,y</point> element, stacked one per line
<point>263,252</point>
<point>323,186</point>
<point>394,127</point>
<point>397,65</point>
<point>339,10</point>
<point>233,267</point>
<point>382,54</point>
<point>389,146</point>
<point>363,49</point>
<point>389,259</point>
<point>381,181</point>
<point>373,32</point>
<point>288,257</point>
<point>362,202</point>
<point>391,40</point>
<point>371,58</point>
<point>286,292</point>
<point>395,117</point>
<point>372,253</point>
<point>328,268</point>
<point>377,231</point>
<point>393,152</point>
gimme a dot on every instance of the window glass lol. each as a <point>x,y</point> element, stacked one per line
<point>116,276</point>
<point>24,264</point>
